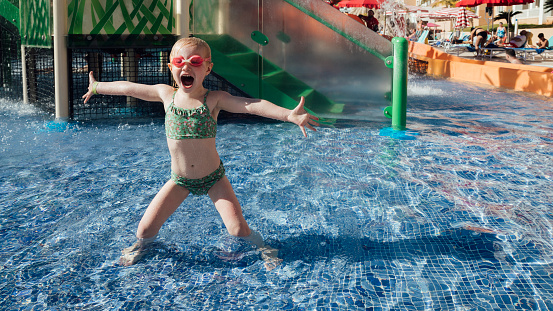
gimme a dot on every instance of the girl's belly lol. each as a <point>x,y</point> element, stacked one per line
<point>193,158</point>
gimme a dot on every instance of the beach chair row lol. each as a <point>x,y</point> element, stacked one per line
<point>522,52</point>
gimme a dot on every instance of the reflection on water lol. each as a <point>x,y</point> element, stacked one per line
<point>457,217</point>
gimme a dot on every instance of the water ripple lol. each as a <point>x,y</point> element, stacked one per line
<point>457,218</point>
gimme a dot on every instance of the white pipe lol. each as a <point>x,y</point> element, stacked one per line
<point>61,77</point>
<point>24,75</point>
<point>183,18</point>
<point>130,64</point>
<point>540,9</point>
<point>223,18</point>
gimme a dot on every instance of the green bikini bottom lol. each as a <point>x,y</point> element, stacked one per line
<point>202,185</point>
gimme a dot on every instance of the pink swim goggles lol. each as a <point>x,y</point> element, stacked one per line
<point>194,60</point>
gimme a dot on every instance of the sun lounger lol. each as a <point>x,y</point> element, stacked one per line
<point>525,53</point>
<point>423,36</point>
<point>458,48</point>
<point>444,42</point>
<point>522,53</point>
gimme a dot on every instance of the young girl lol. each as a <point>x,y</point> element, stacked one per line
<point>190,125</point>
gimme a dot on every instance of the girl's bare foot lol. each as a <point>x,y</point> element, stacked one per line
<point>134,253</point>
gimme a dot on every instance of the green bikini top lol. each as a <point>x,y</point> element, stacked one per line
<point>181,123</point>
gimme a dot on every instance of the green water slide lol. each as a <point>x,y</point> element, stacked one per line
<point>281,50</point>
<point>239,65</point>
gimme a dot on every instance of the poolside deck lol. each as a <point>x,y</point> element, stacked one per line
<point>535,76</point>
<point>537,61</point>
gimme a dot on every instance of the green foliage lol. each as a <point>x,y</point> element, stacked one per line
<point>530,26</point>
<point>507,16</point>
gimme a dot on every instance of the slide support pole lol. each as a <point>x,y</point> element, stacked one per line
<point>399,83</point>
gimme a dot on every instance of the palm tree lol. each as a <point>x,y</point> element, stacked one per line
<point>507,16</point>
<point>547,6</point>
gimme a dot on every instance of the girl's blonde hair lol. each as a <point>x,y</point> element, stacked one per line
<point>189,42</point>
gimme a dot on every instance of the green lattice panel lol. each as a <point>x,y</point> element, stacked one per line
<point>35,23</point>
<point>121,17</point>
<point>10,12</point>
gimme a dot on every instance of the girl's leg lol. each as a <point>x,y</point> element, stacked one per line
<point>228,207</point>
<point>166,201</point>
<point>164,204</point>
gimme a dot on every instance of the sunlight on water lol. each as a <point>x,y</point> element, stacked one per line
<point>457,217</point>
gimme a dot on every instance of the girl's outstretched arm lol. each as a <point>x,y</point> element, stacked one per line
<point>265,108</point>
<point>152,93</point>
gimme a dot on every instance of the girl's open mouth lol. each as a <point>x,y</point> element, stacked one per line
<point>187,81</point>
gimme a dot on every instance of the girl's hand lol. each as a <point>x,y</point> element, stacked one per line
<point>91,81</point>
<point>301,118</point>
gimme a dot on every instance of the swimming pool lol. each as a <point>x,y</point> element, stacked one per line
<point>455,215</point>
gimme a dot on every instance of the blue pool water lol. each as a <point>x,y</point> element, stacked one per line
<point>457,215</point>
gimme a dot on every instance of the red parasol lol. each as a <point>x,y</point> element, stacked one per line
<point>371,4</point>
